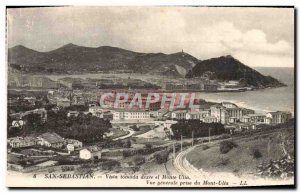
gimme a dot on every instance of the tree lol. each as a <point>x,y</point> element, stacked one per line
<point>33,123</point>
<point>200,129</point>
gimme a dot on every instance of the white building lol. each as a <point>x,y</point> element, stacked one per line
<point>124,114</point>
<point>219,112</point>
<point>73,114</point>
<point>18,123</point>
<point>279,116</point>
<point>74,142</point>
<point>179,114</point>
<point>169,123</point>
<point>210,119</point>
<point>51,140</point>
<point>17,142</point>
<point>70,148</point>
<point>229,105</point>
<point>91,152</point>
<point>95,109</point>
<point>200,115</point>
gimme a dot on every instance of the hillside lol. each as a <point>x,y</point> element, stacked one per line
<point>241,160</point>
<point>71,59</point>
<point>227,68</point>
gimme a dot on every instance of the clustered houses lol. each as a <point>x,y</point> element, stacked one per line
<point>225,113</point>
<point>72,145</point>
<point>203,115</point>
<point>230,114</point>
<point>16,142</point>
<point>100,112</point>
<point>50,140</point>
<point>53,140</point>
<point>46,139</point>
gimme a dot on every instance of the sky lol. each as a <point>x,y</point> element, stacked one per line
<point>258,37</point>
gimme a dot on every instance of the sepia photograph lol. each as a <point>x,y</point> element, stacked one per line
<point>150,97</point>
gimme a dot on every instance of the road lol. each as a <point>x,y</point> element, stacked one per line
<point>131,132</point>
<point>183,167</point>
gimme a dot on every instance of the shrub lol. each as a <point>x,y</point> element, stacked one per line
<point>84,170</point>
<point>205,147</point>
<point>67,168</point>
<point>127,144</point>
<point>139,160</point>
<point>226,146</point>
<point>135,128</point>
<point>109,165</point>
<point>223,161</point>
<point>161,156</point>
<point>257,154</point>
<point>148,146</point>
<point>51,170</point>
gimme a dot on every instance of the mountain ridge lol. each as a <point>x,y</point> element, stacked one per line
<point>68,58</point>
<point>72,59</point>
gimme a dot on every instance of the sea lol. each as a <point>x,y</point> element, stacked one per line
<point>264,100</point>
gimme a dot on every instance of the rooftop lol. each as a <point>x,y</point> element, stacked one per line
<point>52,137</point>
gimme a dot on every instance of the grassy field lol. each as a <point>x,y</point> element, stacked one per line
<point>241,160</point>
<point>143,129</point>
<point>117,133</point>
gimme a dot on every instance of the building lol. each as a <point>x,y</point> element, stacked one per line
<point>63,102</point>
<point>279,117</point>
<point>229,105</point>
<point>51,140</point>
<point>210,119</point>
<point>268,120</point>
<point>179,114</point>
<point>245,119</point>
<point>169,123</point>
<point>232,120</point>
<point>74,142</point>
<point>107,115</point>
<point>130,114</point>
<point>237,112</point>
<point>90,153</point>
<point>257,118</point>
<point>159,113</point>
<point>17,142</point>
<point>70,148</point>
<point>78,100</point>
<point>220,112</point>
<point>30,100</point>
<point>94,109</point>
<point>18,123</point>
<point>200,115</point>
<point>73,114</point>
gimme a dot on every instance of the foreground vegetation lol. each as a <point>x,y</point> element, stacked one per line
<point>242,155</point>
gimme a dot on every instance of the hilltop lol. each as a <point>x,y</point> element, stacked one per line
<point>227,68</point>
